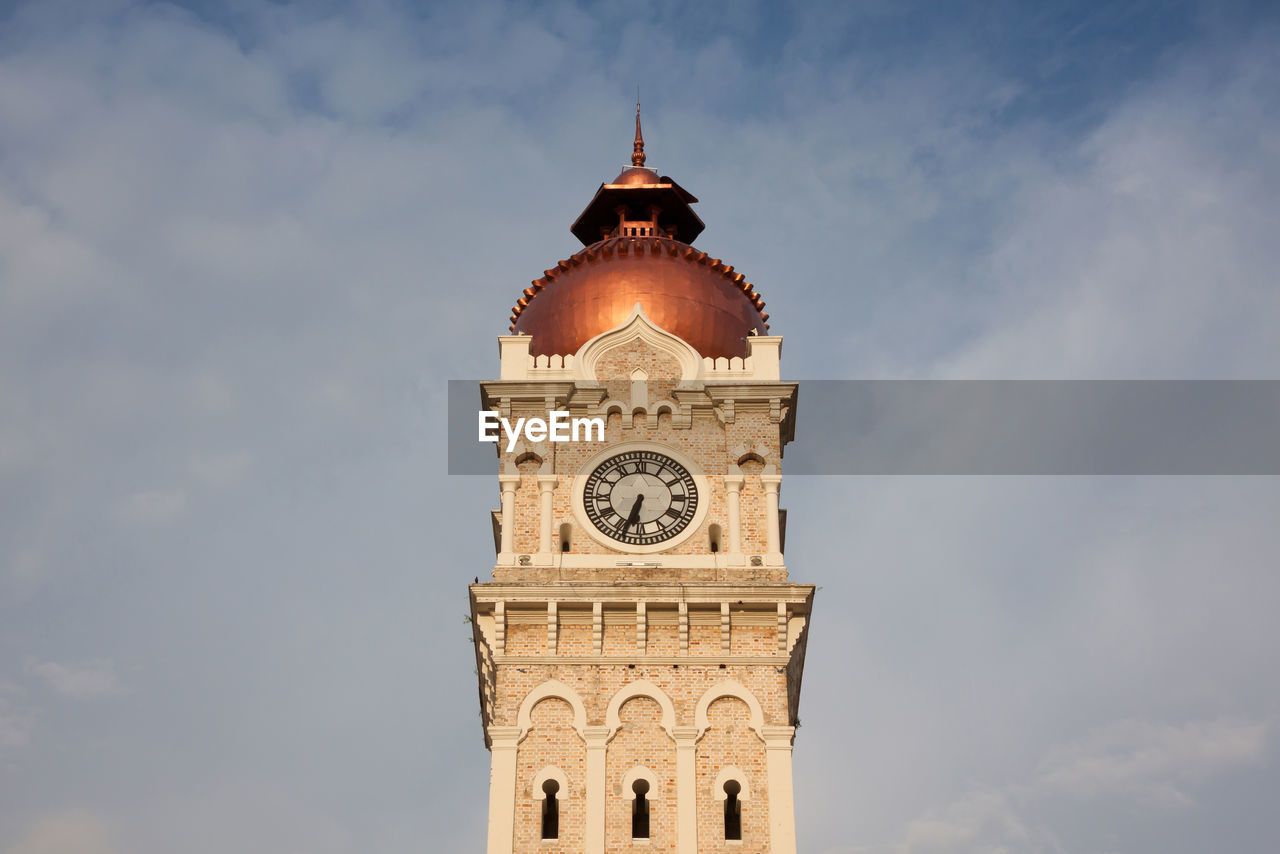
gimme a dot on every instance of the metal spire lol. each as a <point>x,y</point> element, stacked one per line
<point>637,152</point>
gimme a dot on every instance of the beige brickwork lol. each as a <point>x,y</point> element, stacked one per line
<point>641,741</point>
<point>730,742</point>
<point>677,665</point>
<point>551,741</point>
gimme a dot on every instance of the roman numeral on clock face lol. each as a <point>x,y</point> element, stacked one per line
<point>640,498</point>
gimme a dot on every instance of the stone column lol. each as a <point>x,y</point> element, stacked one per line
<point>502,788</point>
<point>782,807</point>
<point>733,496</point>
<point>597,738</point>
<point>509,484</point>
<point>546,485</point>
<point>771,483</point>
<point>686,789</point>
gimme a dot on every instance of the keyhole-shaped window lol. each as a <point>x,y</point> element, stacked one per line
<point>550,810</point>
<point>732,810</point>
<point>640,810</point>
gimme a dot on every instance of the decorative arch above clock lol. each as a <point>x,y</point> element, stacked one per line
<point>637,327</point>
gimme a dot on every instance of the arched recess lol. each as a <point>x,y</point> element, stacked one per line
<point>612,405</point>
<point>727,773</point>
<point>640,772</point>
<point>552,688</point>
<point>551,772</point>
<point>742,453</point>
<point>729,688</point>
<point>637,327</point>
<point>524,455</point>
<point>640,688</point>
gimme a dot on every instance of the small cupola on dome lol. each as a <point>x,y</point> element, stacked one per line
<point>639,203</point>
<point>636,234</point>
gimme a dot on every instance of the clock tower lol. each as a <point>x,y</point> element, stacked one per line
<point>640,646</point>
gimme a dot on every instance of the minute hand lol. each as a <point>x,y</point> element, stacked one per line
<point>634,516</point>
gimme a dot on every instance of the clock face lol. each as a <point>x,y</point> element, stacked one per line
<point>640,498</point>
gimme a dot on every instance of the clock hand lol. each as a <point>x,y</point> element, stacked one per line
<point>634,516</point>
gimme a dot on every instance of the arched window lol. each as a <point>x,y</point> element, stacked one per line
<point>713,534</point>
<point>640,810</point>
<point>644,788</point>
<point>550,810</point>
<point>566,537</point>
<point>732,810</point>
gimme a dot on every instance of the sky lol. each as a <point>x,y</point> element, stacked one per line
<point>243,247</point>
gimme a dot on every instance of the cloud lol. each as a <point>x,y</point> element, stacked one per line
<point>982,822</point>
<point>221,469</point>
<point>1146,763</point>
<point>15,723</point>
<point>79,680</point>
<point>231,245</point>
<point>69,832</point>
<point>1151,762</point>
<point>1142,253</point>
<point>153,507</point>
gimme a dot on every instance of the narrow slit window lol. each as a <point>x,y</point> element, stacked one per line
<point>732,810</point>
<point>566,537</point>
<point>640,810</point>
<point>550,810</point>
<point>713,534</point>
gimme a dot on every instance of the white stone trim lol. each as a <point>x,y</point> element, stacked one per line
<point>502,788</point>
<point>640,688</point>
<point>782,805</point>
<point>729,688</point>
<point>580,486</point>
<point>546,487</point>
<point>637,327</point>
<point>551,772</point>
<point>686,790</point>
<point>508,483</point>
<point>640,772</point>
<point>592,560</point>
<point>597,738</point>
<point>552,688</point>
<point>727,773</point>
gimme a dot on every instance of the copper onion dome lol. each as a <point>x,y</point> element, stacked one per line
<point>637,230</point>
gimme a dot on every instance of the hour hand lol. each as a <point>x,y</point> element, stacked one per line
<point>634,515</point>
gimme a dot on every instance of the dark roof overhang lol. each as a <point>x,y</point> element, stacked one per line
<point>673,199</point>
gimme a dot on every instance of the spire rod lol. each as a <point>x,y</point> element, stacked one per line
<point>637,151</point>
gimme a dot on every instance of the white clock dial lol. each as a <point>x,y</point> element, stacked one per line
<point>640,498</point>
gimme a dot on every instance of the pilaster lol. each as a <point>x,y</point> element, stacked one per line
<point>782,810</point>
<point>503,742</point>
<point>597,738</point>
<point>686,738</point>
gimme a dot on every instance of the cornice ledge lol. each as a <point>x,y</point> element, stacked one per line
<point>688,591</point>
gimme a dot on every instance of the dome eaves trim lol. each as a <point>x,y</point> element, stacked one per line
<point>626,246</point>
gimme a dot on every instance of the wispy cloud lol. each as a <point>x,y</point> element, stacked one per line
<point>79,680</point>
<point>245,242</point>
<point>221,469</point>
<point>68,832</point>
<point>15,722</point>
<point>153,506</point>
<point>1145,763</point>
<point>1151,762</point>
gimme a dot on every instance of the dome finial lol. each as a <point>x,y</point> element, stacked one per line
<point>637,152</point>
